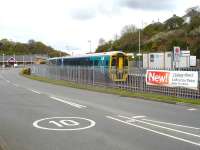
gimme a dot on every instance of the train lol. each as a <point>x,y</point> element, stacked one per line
<point>115,63</point>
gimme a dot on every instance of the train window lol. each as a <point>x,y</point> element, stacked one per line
<point>59,62</point>
<point>96,62</point>
<point>66,62</point>
<point>126,62</point>
<point>106,63</point>
<point>114,62</point>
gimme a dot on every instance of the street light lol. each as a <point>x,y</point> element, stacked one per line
<point>139,43</point>
<point>139,47</point>
<point>3,60</point>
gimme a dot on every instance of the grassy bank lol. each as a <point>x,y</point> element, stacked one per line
<point>120,92</point>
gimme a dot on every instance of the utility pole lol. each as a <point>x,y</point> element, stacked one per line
<point>3,61</point>
<point>139,46</point>
<point>23,61</point>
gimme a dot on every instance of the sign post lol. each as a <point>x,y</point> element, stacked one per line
<point>177,54</point>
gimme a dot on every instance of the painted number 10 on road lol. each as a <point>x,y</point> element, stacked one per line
<point>64,123</point>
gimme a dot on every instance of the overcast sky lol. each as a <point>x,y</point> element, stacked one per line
<point>70,24</point>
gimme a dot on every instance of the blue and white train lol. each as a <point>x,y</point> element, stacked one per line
<point>116,63</point>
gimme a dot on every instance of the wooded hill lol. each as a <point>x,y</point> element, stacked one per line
<point>32,47</point>
<point>176,31</point>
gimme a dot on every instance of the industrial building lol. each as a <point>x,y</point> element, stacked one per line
<point>11,60</point>
<point>167,60</point>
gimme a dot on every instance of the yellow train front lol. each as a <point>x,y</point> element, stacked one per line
<point>118,69</point>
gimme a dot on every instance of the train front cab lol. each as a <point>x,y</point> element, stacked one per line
<point>119,67</point>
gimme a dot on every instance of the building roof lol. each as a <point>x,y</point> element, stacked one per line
<point>89,55</point>
<point>21,58</point>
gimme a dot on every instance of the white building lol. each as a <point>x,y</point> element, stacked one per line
<point>164,60</point>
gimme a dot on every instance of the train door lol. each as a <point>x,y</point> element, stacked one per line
<point>120,63</point>
<point>117,65</point>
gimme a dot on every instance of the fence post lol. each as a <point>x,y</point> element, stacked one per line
<point>93,74</point>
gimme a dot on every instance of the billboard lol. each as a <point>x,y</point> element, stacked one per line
<point>193,61</point>
<point>187,79</point>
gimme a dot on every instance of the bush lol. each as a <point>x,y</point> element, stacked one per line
<point>26,71</point>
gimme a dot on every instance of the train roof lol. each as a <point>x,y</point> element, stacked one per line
<point>89,55</point>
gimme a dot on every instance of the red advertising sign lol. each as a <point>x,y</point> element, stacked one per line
<point>157,77</point>
<point>186,79</point>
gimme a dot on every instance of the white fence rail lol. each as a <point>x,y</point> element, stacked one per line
<point>136,81</point>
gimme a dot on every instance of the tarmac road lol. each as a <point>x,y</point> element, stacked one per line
<point>41,116</point>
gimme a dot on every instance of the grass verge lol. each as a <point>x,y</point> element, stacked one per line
<point>120,92</point>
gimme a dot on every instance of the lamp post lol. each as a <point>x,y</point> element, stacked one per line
<point>3,60</point>
<point>139,46</point>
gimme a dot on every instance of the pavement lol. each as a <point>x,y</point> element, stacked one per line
<point>42,116</point>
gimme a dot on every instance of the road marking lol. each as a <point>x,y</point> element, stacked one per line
<point>179,131</point>
<point>16,85</point>
<point>35,91</point>
<point>64,123</point>
<point>67,102</point>
<point>3,144</point>
<point>132,119</point>
<point>154,131</point>
<point>192,109</point>
<point>8,81</point>
<point>138,117</point>
<point>178,125</point>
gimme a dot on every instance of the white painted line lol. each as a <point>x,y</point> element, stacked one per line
<point>138,117</point>
<point>16,85</point>
<point>132,119</point>
<point>192,109</point>
<point>157,132</point>
<point>36,92</point>
<point>75,103</point>
<point>179,131</point>
<point>8,81</point>
<point>173,124</point>
<point>67,102</point>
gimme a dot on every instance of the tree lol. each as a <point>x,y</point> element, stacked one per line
<point>195,23</point>
<point>174,22</point>
<point>161,36</point>
<point>128,29</point>
<point>101,41</point>
<point>193,11</point>
<point>153,29</point>
<point>105,48</point>
<point>1,44</point>
<point>32,47</point>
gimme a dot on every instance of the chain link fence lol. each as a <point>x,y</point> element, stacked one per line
<point>136,81</point>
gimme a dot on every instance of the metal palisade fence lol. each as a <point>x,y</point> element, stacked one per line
<point>135,82</point>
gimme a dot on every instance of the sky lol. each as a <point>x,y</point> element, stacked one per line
<point>75,25</point>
